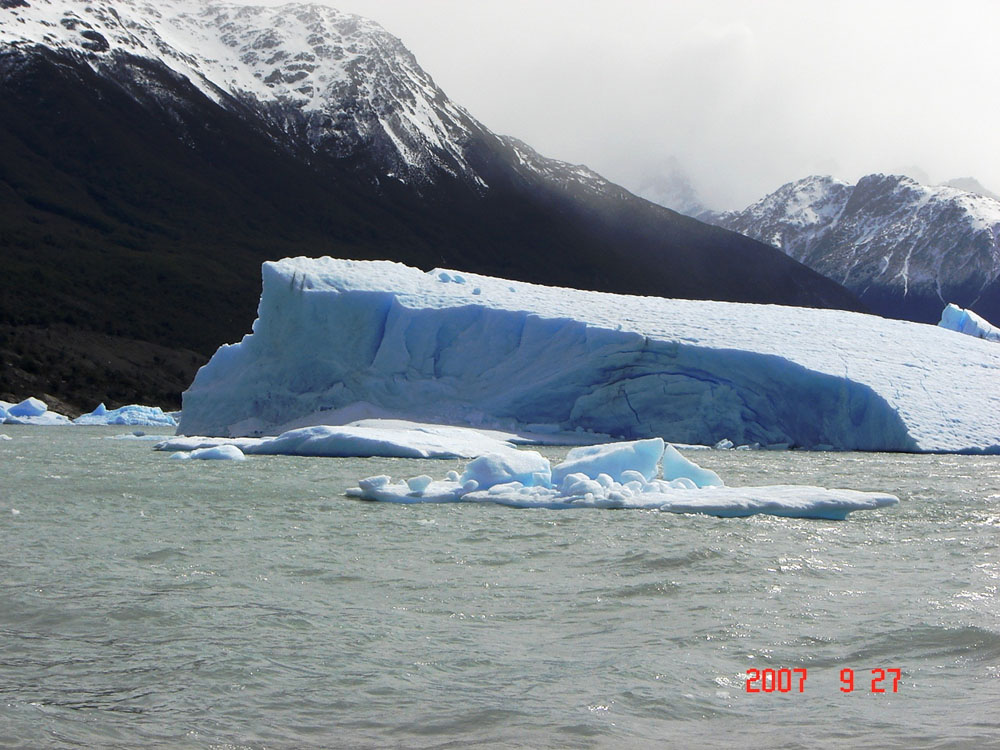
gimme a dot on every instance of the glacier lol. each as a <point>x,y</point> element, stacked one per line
<point>459,348</point>
<point>955,318</point>
<point>619,475</point>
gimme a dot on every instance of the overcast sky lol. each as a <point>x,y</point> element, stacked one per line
<point>745,94</point>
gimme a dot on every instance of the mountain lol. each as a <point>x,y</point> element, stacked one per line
<point>904,248</point>
<point>666,183</point>
<point>154,155</point>
<point>971,185</point>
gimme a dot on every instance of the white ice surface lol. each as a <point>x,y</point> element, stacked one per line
<point>595,486</point>
<point>372,437</point>
<point>484,351</point>
<point>954,318</point>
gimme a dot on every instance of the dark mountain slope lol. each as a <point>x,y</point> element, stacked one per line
<point>135,208</point>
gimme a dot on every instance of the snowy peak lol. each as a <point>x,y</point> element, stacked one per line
<point>905,248</point>
<point>337,81</point>
<point>793,212</point>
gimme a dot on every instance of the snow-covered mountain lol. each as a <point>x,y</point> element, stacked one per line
<point>906,249</point>
<point>163,150</point>
<point>334,80</point>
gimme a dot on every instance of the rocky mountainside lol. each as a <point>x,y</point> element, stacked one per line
<point>154,154</point>
<point>904,248</point>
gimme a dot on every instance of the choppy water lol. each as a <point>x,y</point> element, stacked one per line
<point>154,603</point>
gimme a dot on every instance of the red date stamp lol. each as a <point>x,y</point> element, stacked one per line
<point>794,680</point>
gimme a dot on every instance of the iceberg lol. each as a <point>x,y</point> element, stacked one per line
<point>587,480</point>
<point>30,407</point>
<point>133,415</point>
<point>955,318</point>
<point>31,411</point>
<point>466,349</point>
<point>365,438</point>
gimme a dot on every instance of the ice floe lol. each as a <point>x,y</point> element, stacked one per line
<point>370,437</point>
<point>215,453</point>
<point>617,476</point>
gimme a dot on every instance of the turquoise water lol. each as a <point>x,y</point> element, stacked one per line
<point>155,603</point>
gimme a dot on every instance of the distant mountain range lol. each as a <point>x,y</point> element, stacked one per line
<point>152,155</point>
<point>904,248</point>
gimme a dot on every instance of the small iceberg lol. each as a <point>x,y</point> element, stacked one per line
<point>31,411</point>
<point>955,318</point>
<point>617,475</point>
<point>390,438</point>
<point>217,453</point>
<point>133,415</point>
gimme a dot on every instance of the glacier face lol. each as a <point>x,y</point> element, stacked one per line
<point>466,349</point>
<point>904,248</point>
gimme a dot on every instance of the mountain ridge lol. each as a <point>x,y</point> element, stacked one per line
<point>141,201</point>
<point>904,248</point>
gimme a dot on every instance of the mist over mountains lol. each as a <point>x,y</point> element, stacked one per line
<point>155,154</point>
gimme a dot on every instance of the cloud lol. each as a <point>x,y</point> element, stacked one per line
<point>746,96</point>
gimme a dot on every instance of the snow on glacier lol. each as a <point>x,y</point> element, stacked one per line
<point>588,480</point>
<point>954,318</point>
<point>460,348</point>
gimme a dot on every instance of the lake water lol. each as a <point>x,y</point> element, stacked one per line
<point>146,602</point>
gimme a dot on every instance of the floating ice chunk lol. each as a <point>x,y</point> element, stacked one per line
<point>390,438</point>
<point>218,453</point>
<point>681,494</point>
<point>614,459</point>
<point>723,445</point>
<point>374,483</point>
<point>527,467</point>
<point>954,318</point>
<point>30,407</point>
<point>133,414</point>
<point>141,438</point>
<point>675,466</point>
<point>31,411</point>
<point>780,500</point>
<point>45,419</point>
<point>417,485</point>
<point>5,437</point>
